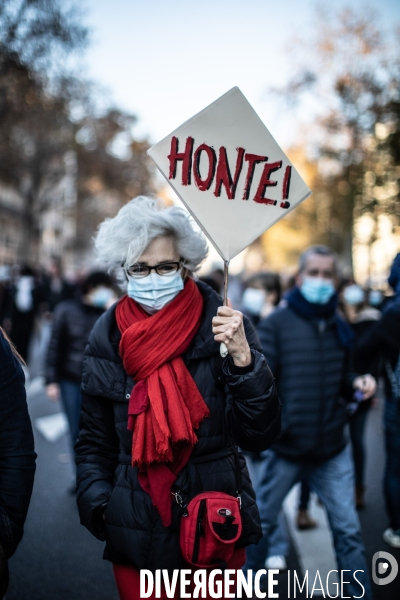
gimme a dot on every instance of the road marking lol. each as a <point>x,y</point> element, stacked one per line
<point>52,427</point>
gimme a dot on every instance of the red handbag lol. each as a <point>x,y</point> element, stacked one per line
<point>210,529</point>
<point>211,522</point>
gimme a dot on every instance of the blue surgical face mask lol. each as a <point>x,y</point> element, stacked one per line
<point>375,297</point>
<point>101,297</point>
<point>154,291</point>
<point>253,300</point>
<point>317,290</point>
<point>353,294</point>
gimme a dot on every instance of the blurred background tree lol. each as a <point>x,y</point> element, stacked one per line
<point>35,36</point>
<point>41,34</point>
<point>348,81</point>
<point>69,162</point>
<point>112,168</point>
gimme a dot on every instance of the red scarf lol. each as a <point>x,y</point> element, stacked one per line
<point>165,405</point>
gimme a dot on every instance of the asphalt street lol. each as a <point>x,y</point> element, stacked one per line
<point>58,559</point>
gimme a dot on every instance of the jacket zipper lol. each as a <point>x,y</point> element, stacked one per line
<point>199,530</point>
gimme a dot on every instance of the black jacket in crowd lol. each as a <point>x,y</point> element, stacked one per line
<point>365,363</point>
<point>244,406</point>
<point>312,373</point>
<point>383,341</point>
<point>17,464</point>
<point>71,326</point>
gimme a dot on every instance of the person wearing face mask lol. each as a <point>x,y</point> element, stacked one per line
<point>20,309</point>
<point>162,412</point>
<point>375,299</point>
<point>382,342</point>
<point>307,345</point>
<point>72,323</point>
<point>261,296</point>
<point>353,301</point>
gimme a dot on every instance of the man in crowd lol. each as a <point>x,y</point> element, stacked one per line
<point>382,342</point>
<point>307,346</point>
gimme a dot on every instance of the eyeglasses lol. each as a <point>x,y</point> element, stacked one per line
<point>163,269</point>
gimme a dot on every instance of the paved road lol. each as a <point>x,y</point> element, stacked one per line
<point>59,560</point>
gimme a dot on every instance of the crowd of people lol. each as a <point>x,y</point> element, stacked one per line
<point>27,295</point>
<point>156,415</point>
<point>294,330</point>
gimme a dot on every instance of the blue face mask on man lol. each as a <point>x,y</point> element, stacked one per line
<point>154,291</point>
<point>317,290</point>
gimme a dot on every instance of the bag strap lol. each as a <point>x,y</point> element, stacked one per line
<point>195,477</point>
<point>239,487</point>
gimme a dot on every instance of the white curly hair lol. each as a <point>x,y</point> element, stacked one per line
<point>120,241</point>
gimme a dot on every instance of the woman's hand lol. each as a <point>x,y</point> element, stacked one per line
<point>53,391</point>
<point>366,384</point>
<point>228,327</point>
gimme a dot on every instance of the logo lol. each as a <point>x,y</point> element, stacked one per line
<point>224,512</point>
<point>387,566</point>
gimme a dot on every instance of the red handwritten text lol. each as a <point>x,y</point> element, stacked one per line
<point>218,170</point>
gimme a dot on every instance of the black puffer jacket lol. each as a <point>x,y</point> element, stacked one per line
<point>314,376</point>
<point>71,326</point>
<point>383,341</point>
<point>17,464</point>
<point>243,405</point>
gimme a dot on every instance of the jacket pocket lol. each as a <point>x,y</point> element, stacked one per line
<point>210,529</point>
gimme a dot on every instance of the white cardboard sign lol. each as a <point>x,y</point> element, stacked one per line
<point>230,173</point>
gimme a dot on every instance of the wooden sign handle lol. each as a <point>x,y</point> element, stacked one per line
<point>223,350</point>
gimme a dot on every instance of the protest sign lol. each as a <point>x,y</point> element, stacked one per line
<point>230,173</point>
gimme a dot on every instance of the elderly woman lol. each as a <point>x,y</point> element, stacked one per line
<point>162,412</point>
